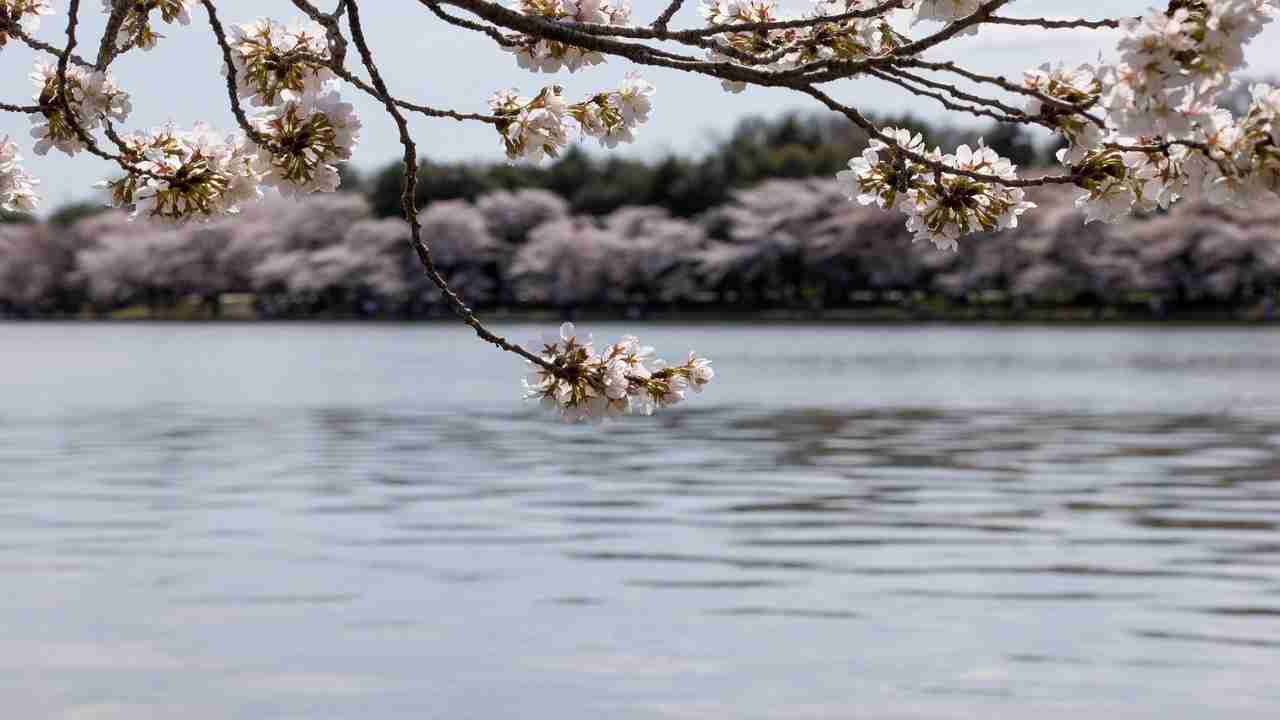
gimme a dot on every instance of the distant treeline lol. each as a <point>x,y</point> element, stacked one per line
<point>790,147</point>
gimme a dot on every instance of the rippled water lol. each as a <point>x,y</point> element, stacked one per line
<point>346,521</point>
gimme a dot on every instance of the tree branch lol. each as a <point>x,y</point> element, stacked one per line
<point>409,204</point>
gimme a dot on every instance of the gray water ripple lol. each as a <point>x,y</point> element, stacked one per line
<point>970,537</point>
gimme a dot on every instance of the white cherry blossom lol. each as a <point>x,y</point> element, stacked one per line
<point>92,96</point>
<point>581,385</point>
<point>17,187</point>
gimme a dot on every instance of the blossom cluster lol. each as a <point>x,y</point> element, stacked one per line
<point>17,188</point>
<point>270,59</point>
<point>186,174</point>
<point>942,202</point>
<point>92,96</point>
<point>1173,63</point>
<point>583,385</point>
<point>1072,91</point>
<point>538,127</point>
<point>549,56</point>
<point>1141,133</point>
<point>1164,135</point>
<point>302,131</point>
<point>309,135</point>
<point>23,13</point>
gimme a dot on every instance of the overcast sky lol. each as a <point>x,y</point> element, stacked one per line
<point>440,65</point>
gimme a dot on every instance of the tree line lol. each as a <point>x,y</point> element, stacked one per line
<point>785,244</point>
<point>748,226</point>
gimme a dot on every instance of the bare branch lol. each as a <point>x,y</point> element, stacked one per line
<point>1050,24</point>
<point>905,80</point>
<point>655,33</point>
<point>12,29</point>
<point>108,48</point>
<point>661,23</point>
<point>489,30</point>
<point>26,109</point>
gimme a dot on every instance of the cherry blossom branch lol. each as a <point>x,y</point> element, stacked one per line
<point>979,16</point>
<point>1005,84</point>
<point>409,203</point>
<point>862,122</point>
<point>63,100</point>
<point>1138,134</point>
<point>108,49</point>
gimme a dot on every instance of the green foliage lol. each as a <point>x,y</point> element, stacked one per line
<point>68,215</point>
<point>16,218</point>
<point>349,179</point>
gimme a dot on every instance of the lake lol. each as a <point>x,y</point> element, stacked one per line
<point>270,522</point>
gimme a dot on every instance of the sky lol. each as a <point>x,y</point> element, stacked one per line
<point>427,61</point>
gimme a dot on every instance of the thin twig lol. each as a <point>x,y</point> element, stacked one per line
<point>861,121</point>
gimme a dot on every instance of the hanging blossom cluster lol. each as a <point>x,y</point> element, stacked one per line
<point>271,59</point>
<point>92,96</point>
<point>309,135</point>
<point>303,130</point>
<point>136,28</point>
<point>1165,136</point>
<point>1141,133</point>
<point>538,127</point>
<point>549,56</point>
<point>17,187</point>
<point>583,385</point>
<point>25,14</point>
<point>941,205</point>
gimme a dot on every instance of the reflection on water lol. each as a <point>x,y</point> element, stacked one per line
<point>180,535</point>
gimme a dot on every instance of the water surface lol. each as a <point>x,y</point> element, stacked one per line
<point>339,521</point>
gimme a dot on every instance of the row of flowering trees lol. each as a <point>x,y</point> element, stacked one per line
<point>784,244</point>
